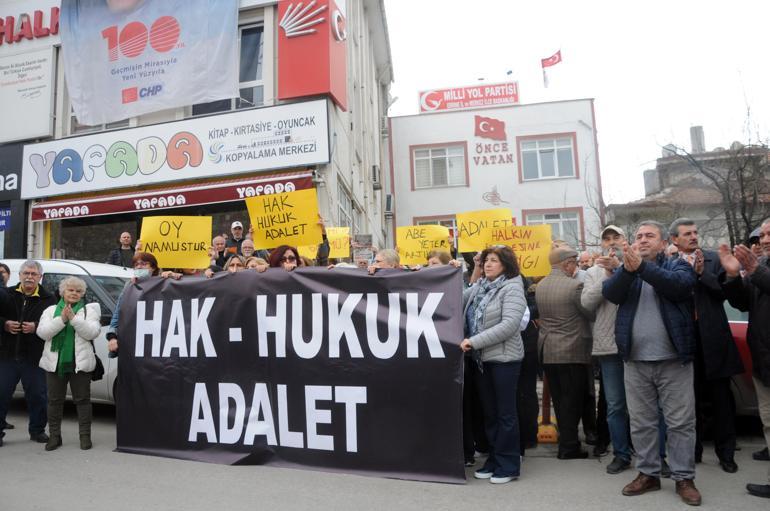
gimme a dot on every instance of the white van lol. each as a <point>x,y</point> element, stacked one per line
<point>105,282</point>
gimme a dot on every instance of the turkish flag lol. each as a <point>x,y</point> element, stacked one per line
<point>487,127</point>
<point>552,60</point>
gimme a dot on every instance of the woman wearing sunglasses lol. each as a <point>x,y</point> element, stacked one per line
<point>285,257</point>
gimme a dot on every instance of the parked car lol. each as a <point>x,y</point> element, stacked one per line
<point>105,282</point>
<point>742,384</point>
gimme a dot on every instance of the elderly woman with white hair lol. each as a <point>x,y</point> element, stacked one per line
<point>68,329</point>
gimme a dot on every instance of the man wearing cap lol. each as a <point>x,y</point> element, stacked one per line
<point>566,346</point>
<point>237,239</point>
<point>717,357</point>
<point>747,287</point>
<point>655,337</point>
<point>604,347</point>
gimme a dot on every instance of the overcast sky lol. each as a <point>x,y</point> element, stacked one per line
<point>655,67</point>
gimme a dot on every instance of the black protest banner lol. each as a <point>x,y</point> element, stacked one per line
<point>330,369</point>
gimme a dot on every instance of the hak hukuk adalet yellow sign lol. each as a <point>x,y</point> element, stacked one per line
<point>177,241</point>
<point>416,241</point>
<point>285,219</point>
<point>472,227</point>
<point>530,243</point>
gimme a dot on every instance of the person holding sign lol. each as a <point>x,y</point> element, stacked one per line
<point>494,308</point>
<point>68,329</point>
<point>145,265</point>
<point>285,257</point>
<point>235,264</point>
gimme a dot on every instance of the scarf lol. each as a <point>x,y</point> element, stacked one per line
<point>64,341</point>
<point>475,314</point>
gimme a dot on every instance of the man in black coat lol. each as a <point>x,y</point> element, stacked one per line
<point>20,348</point>
<point>751,292</point>
<point>717,357</point>
<point>123,255</point>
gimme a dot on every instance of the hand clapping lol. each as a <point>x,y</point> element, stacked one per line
<point>631,258</point>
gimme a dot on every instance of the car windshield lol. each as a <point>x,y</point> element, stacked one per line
<point>112,285</point>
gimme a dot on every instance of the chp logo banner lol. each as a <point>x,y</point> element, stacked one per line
<point>477,96</point>
<point>324,369</point>
<point>124,58</point>
<point>248,141</point>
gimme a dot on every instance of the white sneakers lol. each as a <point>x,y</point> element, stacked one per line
<point>486,474</point>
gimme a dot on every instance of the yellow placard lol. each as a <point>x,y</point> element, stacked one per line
<point>309,251</point>
<point>472,225</point>
<point>177,241</point>
<point>530,243</point>
<point>416,241</point>
<point>339,242</point>
<point>285,219</point>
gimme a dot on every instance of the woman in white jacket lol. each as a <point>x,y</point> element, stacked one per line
<point>68,329</point>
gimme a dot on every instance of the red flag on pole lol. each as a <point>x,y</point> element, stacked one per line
<point>552,60</point>
<point>546,63</point>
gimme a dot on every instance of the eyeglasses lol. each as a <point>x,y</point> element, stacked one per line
<point>289,259</point>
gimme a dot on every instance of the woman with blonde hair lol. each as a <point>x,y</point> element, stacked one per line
<point>68,329</point>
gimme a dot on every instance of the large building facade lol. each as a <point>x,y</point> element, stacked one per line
<point>540,160</point>
<point>75,221</point>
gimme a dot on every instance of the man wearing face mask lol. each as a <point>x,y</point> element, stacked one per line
<point>21,349</point>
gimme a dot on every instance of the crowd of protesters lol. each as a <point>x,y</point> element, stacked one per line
<point>645,315</point>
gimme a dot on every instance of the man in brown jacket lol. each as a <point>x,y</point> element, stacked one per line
<point>565,342</point>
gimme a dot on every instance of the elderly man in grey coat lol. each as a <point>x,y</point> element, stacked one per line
<point>566,344</point>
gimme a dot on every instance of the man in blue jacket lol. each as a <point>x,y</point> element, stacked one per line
<point>655,336</point>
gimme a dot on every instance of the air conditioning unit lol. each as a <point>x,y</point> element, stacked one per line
<point>388,205</point>
<point>376,182</point>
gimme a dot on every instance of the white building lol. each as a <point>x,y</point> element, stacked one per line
<point>58,224</point>
<point>539,160</point>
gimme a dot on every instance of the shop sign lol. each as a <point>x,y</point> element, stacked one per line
<point>155,200</point>
<point>28,25</point>
<point>27,95</point>
<point>312,50</point>
<point>5,219</point>
<point>477,96</point>
<point>10,170</point>
<point>290,135</point>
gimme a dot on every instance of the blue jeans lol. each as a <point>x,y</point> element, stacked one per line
<point>497,391</point>
<point>33,380</point>
<point>617,413</point>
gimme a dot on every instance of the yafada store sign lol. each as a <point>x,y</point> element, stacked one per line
<point>277,137</point>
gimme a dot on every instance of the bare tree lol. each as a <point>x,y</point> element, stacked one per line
<point>740,176</point>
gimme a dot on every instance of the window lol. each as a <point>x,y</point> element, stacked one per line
<point>345,207</point>
<point>250,75</point>
<point>450,223</point>
<point>565,225</point>
<point>547,158</point>
<point>75,128</point>
<point>439,166</point>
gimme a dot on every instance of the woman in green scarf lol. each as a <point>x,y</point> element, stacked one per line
<point>68,329</point>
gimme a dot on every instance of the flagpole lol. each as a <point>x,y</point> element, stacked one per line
<point>545,78</point>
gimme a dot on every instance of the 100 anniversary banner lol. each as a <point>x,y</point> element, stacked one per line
<point>330,369</point>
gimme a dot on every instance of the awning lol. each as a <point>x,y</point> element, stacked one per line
<point>178,196</point>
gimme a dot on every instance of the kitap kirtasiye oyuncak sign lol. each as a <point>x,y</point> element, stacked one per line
<point>327,369</point>
<point>276,137</point>
<point>130,57</point>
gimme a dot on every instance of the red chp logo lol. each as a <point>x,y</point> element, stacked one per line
<point>132,39</point>
<point>486,127</point>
